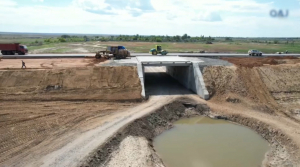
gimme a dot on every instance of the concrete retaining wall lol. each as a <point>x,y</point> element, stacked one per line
<point>199,86</point>
<point>190,77</point>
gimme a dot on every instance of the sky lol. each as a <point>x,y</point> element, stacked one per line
<point>234,18</point>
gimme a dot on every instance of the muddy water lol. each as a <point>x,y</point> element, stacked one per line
<point>205,142</point>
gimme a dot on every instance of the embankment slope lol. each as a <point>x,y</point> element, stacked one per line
<point>265,91</point>
<point>85,83</point>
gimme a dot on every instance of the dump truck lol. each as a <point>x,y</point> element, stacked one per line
<point>158,50</point>
<point>13,48</point>
<point>119,52</point>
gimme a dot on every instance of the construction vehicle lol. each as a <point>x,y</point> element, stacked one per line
<point>119,52</point>
<point>158,50</point>
<point>13,48</point>
<point>254,53</point>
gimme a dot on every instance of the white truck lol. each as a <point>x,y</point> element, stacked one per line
<point>253,52</point>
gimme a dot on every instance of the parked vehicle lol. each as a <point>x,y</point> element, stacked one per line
<point>158,50</point>
<point>254,53</point>
<point>13,48</point>
<point>119,52</point>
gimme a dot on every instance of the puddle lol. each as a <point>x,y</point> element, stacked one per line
<point>205,142</point>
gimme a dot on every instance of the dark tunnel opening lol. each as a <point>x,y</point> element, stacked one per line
<point>159,82</point>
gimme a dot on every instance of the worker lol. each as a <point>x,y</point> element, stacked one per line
<point>23,64</point>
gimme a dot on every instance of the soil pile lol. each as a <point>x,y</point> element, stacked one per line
<point>97,83</point>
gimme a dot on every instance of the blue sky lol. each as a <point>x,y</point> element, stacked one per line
<point>238,18</point>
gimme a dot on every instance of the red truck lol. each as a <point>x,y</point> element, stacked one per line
<point>13,48</point>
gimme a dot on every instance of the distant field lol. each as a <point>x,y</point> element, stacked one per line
<point>87,47</point>
<point>234,46</point>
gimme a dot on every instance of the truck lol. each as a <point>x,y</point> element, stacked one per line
<point>253,52</point>
<point>13,48</point>
<point>119,52</point>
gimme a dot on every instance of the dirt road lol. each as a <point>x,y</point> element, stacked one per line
<point>49,63</point>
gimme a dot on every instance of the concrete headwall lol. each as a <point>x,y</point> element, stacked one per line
<point>141,74</point>
<point>190,77</point>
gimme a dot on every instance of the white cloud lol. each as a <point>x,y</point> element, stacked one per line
<point>8,3</point>
<point>172,17</point>
<point>207,16</point>
<point>90,4</point>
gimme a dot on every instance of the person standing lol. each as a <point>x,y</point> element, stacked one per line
<point>23,64</point>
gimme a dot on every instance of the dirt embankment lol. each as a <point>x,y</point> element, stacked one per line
<point>117,150</point>
<point>283,83</point>
<point>136,138</point>
<point>269,88</point>
<point>267,93</point>
<point>258,61</point>
<point>31,126</point>
<point>85,83</point>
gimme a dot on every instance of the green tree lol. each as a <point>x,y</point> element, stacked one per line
<point>62,40</point>
<point>65,36</point>
<point>158,40</point>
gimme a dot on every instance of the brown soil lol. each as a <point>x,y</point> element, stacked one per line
<point>263,97</point>
<point>25,125</point>
<point>257,61</point>
<point>268,95</point>
<point>147,127</point>
<point>284,150</point>
<point>86,83</point>
<point>96,61</point>
<point>10,64</point>
<point>272,89</point>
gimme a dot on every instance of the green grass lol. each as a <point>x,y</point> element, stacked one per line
<point>235,46</point>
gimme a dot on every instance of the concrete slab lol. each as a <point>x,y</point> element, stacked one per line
<point>167,60</point>
<point>150,59</point>
<point>128,60</point>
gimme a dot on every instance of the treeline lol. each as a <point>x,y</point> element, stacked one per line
<point>155,38</point>
<point>140,38</point>
<point>67,38</point>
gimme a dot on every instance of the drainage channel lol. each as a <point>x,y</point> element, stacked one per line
<point>206,142</point>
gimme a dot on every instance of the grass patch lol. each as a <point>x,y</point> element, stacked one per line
<point>234,46</point>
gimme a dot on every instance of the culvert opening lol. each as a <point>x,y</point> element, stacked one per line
<point>159,82</point>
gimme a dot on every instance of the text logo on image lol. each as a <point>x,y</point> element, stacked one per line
<point>279,13</point>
